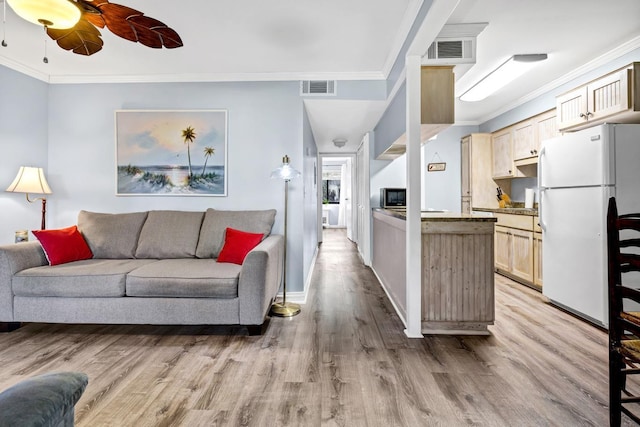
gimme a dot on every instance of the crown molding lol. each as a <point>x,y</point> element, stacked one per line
<point>23,69</point>
<point>215,77</point>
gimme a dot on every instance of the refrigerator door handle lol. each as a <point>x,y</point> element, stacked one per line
<point>541,189</point>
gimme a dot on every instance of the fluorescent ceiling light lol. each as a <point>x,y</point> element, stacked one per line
<point>511,69</point>
<point>59,14</point>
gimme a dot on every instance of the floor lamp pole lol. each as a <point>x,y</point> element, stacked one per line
<point>285,309</point>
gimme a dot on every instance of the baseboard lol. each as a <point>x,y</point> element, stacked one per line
<point>301,297</point>
<point>395,307</point>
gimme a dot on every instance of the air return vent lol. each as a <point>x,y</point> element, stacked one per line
<point>452,51</point>
<point>318,87</point>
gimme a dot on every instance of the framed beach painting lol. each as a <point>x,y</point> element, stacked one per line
<point>171,153</point>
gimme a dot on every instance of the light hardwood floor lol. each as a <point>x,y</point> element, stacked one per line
<point>344,361</point>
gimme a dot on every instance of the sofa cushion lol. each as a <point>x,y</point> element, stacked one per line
<point>237,244</point>
<point>187,278</point>
<point>169,234</point>
<point>111,235</point>
<point>88,278</point>
<point>216,222</point>
<point>63,245</point>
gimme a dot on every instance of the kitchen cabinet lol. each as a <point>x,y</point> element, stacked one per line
<point>529,134</point>
<point>437,103</point>
<point>525,144</point>
<point>478,189</point>
<point>502,161</point>
<point>546,126</point>
<point>537,260</point>
<point>518,249</point>
<point>614,98</point>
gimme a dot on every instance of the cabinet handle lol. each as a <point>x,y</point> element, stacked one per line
<point>509,171</point>
<point>586,116</point>
<point>530,151</point>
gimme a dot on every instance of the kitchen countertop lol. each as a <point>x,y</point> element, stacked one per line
<point>512,211</point>
<point>439,216</point>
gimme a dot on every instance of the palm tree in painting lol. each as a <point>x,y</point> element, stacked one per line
<point>208,152</point>
<point>189,135</point>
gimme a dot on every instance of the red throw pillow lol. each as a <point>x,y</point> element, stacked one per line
<point>237,244</point>
<point>63,245</point>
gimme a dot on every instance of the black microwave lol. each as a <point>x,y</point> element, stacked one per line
<point>393,197</point>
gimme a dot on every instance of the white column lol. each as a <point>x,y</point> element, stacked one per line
<point>413,232</point>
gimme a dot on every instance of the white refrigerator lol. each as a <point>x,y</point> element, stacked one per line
<point>577,173</point>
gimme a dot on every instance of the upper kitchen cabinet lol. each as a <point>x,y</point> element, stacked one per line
<point>524,140</point>
<point>437,95</point>
<point>614,98</point>
<point>478,189</point>
<point>502,149</point>
<point>529,134</point>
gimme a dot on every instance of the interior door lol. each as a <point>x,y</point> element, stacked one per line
<point>349,217</point>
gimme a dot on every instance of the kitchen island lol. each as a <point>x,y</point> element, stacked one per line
<point>457,284</point>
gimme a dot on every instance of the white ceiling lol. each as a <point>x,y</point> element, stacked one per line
<point>254,40</point>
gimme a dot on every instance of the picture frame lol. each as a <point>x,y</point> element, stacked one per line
<point>171,152</point>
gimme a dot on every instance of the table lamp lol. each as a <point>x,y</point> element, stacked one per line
<point>31,180</point>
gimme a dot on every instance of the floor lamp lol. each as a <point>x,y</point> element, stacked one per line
<point>32,180</point>
<point>286,173</point>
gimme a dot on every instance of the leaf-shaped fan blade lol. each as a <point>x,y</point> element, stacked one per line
<point>83,38</point>
<point>132,25</point>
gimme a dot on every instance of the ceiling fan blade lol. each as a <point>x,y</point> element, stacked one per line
<point>131,24</point>
<point>154,33</point>
<point>83,38</point>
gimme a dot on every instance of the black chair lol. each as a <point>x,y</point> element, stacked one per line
<point>624,324</point>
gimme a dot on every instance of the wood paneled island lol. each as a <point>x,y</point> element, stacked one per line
<point>457,282</point>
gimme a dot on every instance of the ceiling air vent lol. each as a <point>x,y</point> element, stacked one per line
<point>318,87</point>
<point>452,51</point>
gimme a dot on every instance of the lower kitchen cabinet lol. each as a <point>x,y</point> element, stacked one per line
<point>518,249</point>
<point>537,260</point>
<point>522,250</point>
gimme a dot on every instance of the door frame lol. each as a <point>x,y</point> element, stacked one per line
<point>354,192</point>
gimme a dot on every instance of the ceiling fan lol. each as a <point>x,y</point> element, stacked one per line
<point>83,37</point>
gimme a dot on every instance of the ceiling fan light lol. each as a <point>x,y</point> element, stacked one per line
<point>58,14</point>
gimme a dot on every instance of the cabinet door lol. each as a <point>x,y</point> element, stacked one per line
<point>546,128</point>
<point>537,259</point>
<point>465,166</point>
<point>608,95</point>
<point>524,140</point>
<point>466,205</point>
<point>571,108</point>
<point>502,156</point>
<point>503,248</point>
<point>522,254</point>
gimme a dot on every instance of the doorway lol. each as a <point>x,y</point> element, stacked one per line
<point>336,191</point>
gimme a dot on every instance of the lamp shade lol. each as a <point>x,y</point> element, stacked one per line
<point>285,171</point>
<point>59,14</point>
<point>30,180</point>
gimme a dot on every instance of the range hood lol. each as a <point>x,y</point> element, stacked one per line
<point>436,108</point>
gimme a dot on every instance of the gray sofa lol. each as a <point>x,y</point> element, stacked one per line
<point>156,267</point>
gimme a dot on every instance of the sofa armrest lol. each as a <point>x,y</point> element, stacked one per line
<point>15,258</point>
<point>260,279</point>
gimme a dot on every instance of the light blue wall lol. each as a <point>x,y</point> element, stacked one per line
<point>23,142</point>
<point>310,182</point>
<point>441,190</point>
<point>392,124</point>
<point>265,122</point>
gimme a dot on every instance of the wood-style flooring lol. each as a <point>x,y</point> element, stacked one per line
<point>344,361</point>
